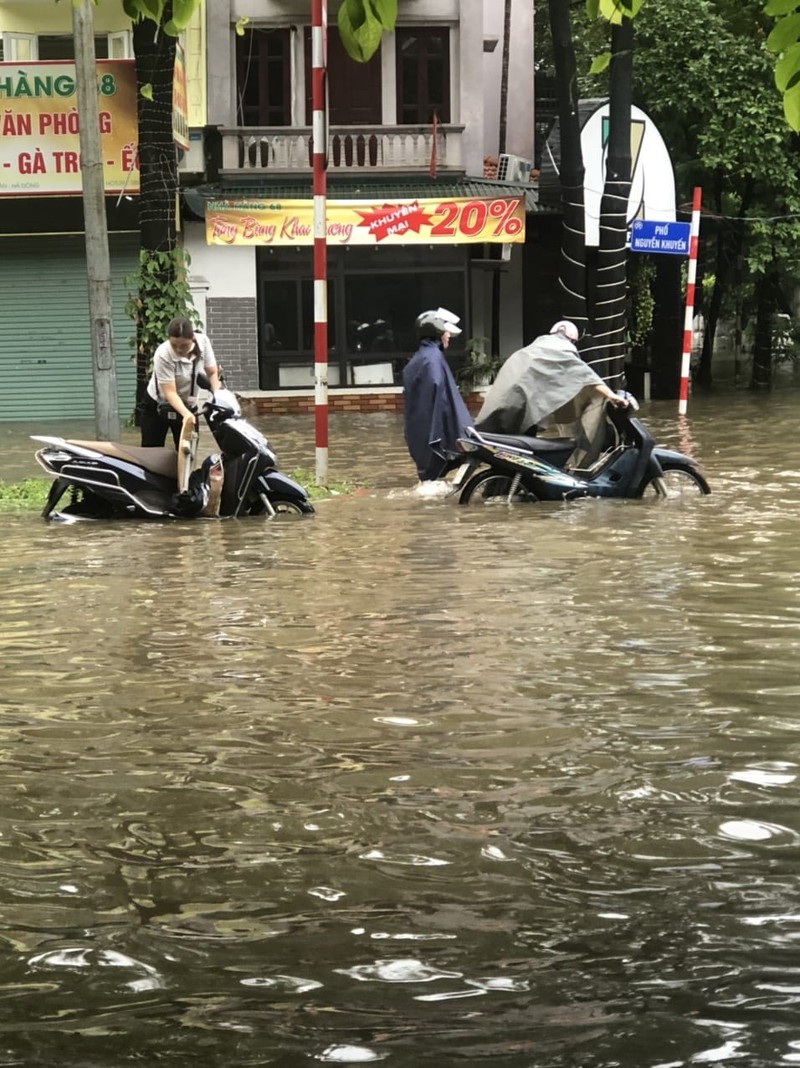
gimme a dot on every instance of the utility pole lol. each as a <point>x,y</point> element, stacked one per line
<point>497,251</point>
<point>319,148</point>
<point>98,261</point>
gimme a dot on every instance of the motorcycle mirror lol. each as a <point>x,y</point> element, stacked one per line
<point>202,380</point>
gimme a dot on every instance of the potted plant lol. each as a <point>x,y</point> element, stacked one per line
<point>479,366</point>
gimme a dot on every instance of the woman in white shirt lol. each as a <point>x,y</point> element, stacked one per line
<point>172,390</point>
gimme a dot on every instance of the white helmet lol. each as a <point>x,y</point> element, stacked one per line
<point>435,323</point>
<point>566,329</point>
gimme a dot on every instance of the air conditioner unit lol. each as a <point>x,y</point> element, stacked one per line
<point>513,169</point>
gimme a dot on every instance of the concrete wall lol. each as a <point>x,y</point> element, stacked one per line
<point>52,18</point>
<point>465,19</point>
<point>223,281</point>
<point>519,117</point>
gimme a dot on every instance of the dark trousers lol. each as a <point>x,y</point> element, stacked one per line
<point>154,425</point>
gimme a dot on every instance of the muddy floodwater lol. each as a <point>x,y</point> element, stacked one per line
<point>405,783</point>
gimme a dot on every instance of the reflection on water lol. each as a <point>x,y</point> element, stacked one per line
<point>407,784</point>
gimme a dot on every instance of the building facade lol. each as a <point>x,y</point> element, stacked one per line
<point>414,125</point>
<point>410,126</point>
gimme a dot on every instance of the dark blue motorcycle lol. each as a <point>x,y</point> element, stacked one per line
<point>505,468</point>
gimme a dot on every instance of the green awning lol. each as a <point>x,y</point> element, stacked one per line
<point>370,188</point>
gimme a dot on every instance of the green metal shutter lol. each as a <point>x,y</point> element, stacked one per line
<point>45,338</point>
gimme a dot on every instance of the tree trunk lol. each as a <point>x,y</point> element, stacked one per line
<point>573,236</point>
<point>503,124</point>
<point>158,163</point>
<point>98,262</point>
<point>497,249</point>
<point>667,335</point>
<point>711,313</point>
<point>766,302</point>
<point>730,245</point>
<point>609,318</point>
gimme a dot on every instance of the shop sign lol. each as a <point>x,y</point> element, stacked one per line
<point>367,222</point>
<point>669,237</point>
<point>180,106</point>
<point>40,135</point>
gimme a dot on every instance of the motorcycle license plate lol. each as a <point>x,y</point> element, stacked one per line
<point>460,475</point>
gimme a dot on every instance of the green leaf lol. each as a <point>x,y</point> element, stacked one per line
<point>791,107</point>
<point>154,9</point>
<point>631,7</point>
<point>785,32</point>
<point>147,91</point>
<point>592,8</point>
<point>787,68</point>
<point>611,10</point>
<point>359,30</point>
<point>136,10</point>
<point>347,34</point>
<point>600,63</point>
<point>183,11</point>
<point>781,7</point>
<point>385,12</point>
<point>617,10</point>
<point>240,25</point>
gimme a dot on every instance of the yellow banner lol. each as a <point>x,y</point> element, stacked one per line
<point>39,128</point>
<point>367,222</point>
<point>180,107</point>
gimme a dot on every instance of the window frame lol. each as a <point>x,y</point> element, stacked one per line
<point>11,51</point>
<point>443,110</point>
<point>341,274</point>
<point>113,39</point>
<point>261,72</point>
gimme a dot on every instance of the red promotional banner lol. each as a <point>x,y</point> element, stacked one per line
<point>367,222</point>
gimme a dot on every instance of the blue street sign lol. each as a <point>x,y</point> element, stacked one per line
<point>670,237</point>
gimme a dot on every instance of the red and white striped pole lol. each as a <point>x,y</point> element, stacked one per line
<point>319,147</point>
<point>683,396</point>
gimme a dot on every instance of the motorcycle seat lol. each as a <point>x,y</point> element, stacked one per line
<point>157,459</point>
<point>537,445</point>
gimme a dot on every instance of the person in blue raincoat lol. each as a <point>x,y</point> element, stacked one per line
<point>434,413</point>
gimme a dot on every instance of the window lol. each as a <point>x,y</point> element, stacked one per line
<point>120,45</point>
<point>423,75</point>
<point>354,89</point>
<point>263,78</point>
<point>19,47</point>
<point>30,48</point>
<point>287,314</point>
<point>62,46</point>
<point>374,297</point>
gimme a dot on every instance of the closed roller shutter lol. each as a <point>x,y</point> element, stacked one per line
<point>45,336</point>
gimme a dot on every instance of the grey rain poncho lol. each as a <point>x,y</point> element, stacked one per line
<point>542,384</point>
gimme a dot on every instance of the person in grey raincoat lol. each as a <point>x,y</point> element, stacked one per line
<point>543,384</point>
<point>434,412</point>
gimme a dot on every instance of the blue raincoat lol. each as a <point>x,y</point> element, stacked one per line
<point>434,413</point>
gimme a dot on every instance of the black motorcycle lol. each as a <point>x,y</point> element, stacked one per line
<point>503,468</point>
<point>111,480</point>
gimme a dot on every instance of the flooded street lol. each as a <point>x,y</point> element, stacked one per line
<point>406,783</point>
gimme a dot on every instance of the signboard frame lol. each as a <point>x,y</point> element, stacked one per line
<point>668,238</point>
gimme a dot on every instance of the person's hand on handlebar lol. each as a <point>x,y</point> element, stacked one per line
<point>611,396</point>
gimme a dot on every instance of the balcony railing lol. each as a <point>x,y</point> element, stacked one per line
<point>248,151</point>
